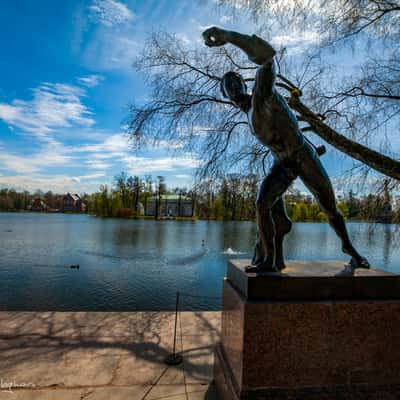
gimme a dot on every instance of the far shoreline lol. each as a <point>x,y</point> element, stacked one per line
<point>181,219</point>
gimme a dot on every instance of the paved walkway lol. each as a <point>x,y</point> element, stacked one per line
<point>106,355</point>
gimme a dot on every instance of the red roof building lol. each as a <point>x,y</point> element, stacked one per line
<point>38,205</point>
<point>73,203</point>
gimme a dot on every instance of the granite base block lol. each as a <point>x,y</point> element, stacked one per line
<point>308,349</point>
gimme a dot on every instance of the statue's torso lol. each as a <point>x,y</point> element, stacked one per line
<point>274,124</point>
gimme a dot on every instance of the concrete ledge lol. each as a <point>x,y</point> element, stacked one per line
<point>314,280</point>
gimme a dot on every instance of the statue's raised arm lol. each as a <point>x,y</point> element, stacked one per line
<point>258,50</point>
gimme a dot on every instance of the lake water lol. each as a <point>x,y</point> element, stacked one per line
<point>140,264</point>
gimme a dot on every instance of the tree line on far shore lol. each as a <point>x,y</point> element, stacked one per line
<point>232,198</point>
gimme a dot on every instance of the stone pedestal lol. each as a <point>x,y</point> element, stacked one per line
<point>314,331</point>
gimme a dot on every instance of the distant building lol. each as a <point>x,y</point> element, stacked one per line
<point>72,202</point>
<point>38,204</point>
<point>171,205</point>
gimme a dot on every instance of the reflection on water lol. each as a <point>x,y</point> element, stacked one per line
<point>139,265</point>
<point>232,252</point>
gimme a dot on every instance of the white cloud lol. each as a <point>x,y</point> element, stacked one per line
<point>184,176</point>
<point>112,51</point>
<point>87,177</point>
<point>185,39</point>
<point>146,165</point>
<point>225,19</point>
<point>94,156</point>
<point>115,149</point>
<point>53,106</point>
<point>115,145</point>
<point>90,80</point>
<point>110,12</point>
<point>295,39</point>
<point>169,144</point>
<point>56,183</point>
<point>98,165</point>
<point>86,164</point>
<point>52,154</point>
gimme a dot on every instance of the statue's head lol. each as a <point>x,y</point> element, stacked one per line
<point>234,87</point>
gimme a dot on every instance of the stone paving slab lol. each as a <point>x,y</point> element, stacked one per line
<point>100,355</point>
<point>135,325</point>
<point>159,392</point>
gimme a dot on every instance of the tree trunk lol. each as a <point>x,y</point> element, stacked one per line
<point>156,205</point>
<point>379,162</point>
<point>137,194</point>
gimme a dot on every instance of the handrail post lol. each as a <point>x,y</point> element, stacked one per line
<point>174,358</point>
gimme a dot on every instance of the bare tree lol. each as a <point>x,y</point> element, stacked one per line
<point>336,20</point>
<point>363,106</point>
<point>185,104</point>
<point>348,112</point>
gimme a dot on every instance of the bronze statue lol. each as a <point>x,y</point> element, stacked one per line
<point>274,125</point>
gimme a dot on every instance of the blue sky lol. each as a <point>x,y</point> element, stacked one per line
<point>66,82</point>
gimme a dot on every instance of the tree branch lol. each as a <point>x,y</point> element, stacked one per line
<point>379,162</point>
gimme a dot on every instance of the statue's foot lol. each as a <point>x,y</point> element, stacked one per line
<point>266,265</point>
<point>257,260</point>
<point>280,265</point>
<point>258,257</point>
<point>359,262</point>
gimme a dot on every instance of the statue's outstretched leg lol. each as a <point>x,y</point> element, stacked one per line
<point>316,179</point>
<point>336,221</point>
<point>283,225</point>
<point>258,254</point>
<point>271,189</point>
